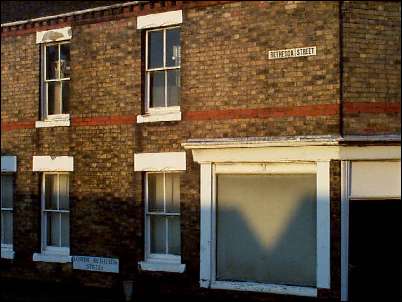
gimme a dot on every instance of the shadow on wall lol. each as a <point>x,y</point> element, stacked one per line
<point>266,229</point>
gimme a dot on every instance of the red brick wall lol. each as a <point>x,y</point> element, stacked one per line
<point>229,89</point>
<point>372,67</point>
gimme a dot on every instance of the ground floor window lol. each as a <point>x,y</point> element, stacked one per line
<point>162,217</point>
<point>266,228</point>
<point>7,196</point>
<point>55,212</point>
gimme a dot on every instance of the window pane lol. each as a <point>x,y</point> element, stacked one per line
<point>173,193</point>
<point>173,47</point>
<point>52,58</point>
<point>158,237</point>
<point>155,49</point>
<point>53,229</point>
<point>275,217</point>
<point>65,60</point>
<point>51,191</point>
<point>7,191</point>
<point>63,194</point>
<point>174,235</point>
<point>6,227</point>
<point>53,98</point>
<point>173,87</point>
<point>65,229</point>
<point>65,96</point>
<point>155,192</point>
<point>157,89</point>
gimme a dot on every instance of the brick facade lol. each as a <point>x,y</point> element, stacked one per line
<point>229,89</point>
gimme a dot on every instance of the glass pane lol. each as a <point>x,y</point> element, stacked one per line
<point>51,192</point>
<point>155,49</point>
<point>173,47</point>
<point>173,193</point>
<point>7,191</point>
<point>53,98</point>
<point>65,96</point>
<point>174,235</point>
<point>65,229</point>
<point>173,87</point>
<point>63,193</point>
<point>65,60</point>
<point>157,89</point>
<point>155,192</point>
<point>272,220</point>
<point>53,229</point>
<point>52,59</point>
<point>158,237</point>
<point>6,227</point>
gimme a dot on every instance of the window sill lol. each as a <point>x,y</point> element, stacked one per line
<point>47,257</point>
<point>159,116</point>
<point>62,120</point>
<point>266,288</point>
<point>7,253</point>
<point>161,266</point>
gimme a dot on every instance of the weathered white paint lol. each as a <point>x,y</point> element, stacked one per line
<point>345,180</point>
<point>54,35</point>
<point>323,225</point>
<point>160,19</point>
<point>96,264</point>
<point>50,257</point>
<point>165,161</point>
<point>161,116</point>
<point>293,153</point>
<point>7,251</point>
<point>162,267</point>
<point>266,288</point>
<point>375,179</point>
<point>59,120</point>
<point>205,224</point>
<point>264,168</point>
<point>53,164</point>
<point>8,163</point>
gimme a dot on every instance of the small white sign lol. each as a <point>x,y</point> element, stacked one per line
<point>292,53</point>
<point>96,264</point>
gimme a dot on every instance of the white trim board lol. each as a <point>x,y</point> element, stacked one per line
<point>54,35</point>
<point>8,163</point>
<point>164,161</point>
<point>160,19</point>
<point>53,164</point>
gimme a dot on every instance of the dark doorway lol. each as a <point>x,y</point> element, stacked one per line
<point>375,250</point>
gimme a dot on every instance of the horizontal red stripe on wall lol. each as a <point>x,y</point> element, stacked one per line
<point>7,126</point>
<point>308,110</point>
<point>372,107</point>
<point>104,120</point>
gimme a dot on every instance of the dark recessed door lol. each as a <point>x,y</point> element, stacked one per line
<point>375,250</point>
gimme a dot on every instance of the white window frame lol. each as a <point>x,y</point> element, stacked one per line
<point>166,113</point>
<point>7,250</point>
<point>209,171</point>
<point>52,253</point>
<point>52,120</point>
<point>159,262</point>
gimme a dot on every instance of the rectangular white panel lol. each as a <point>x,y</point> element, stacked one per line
<point>161,19</point>
<point>49,164</point>
<point>375,179</point>
<point>53,35</point>
<point>165,161</point>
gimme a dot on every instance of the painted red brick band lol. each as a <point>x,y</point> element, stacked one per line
<point>372,107</point>
<point>103,120</point>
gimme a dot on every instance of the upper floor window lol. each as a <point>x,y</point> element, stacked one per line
<point>162,76</point>
<point>55,79</point>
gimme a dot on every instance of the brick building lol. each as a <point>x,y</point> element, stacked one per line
<point>217,148</point>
